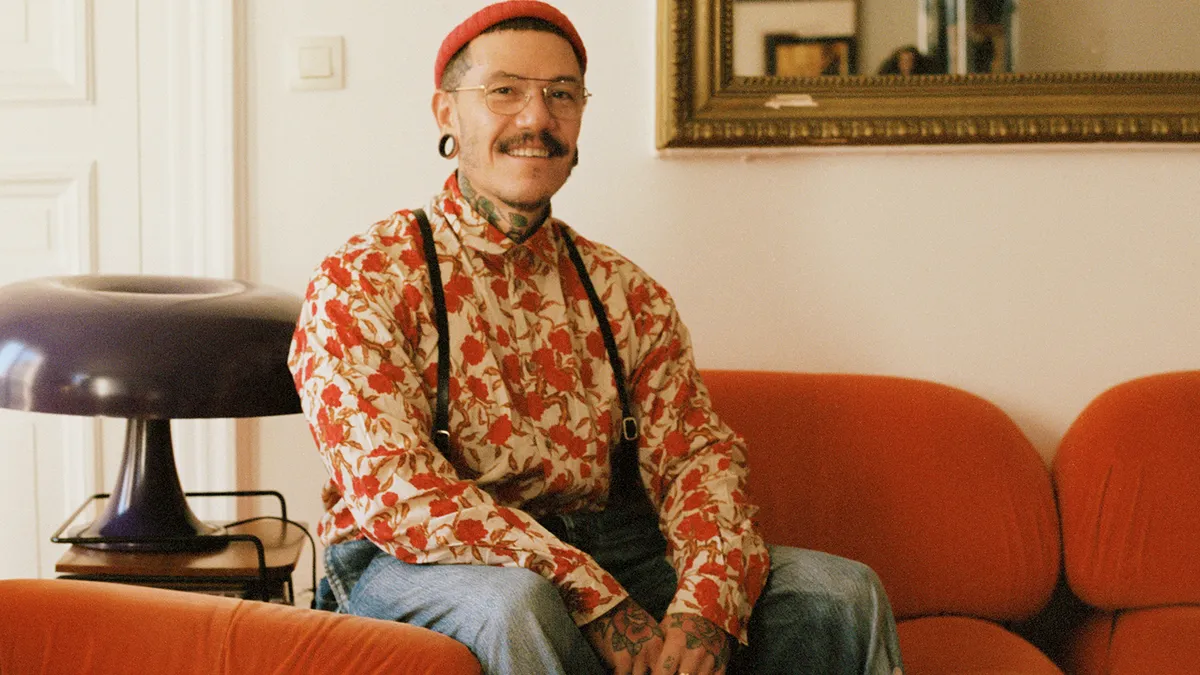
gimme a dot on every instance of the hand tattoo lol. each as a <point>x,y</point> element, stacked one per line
<point>702,633</point>
<point>627,628</point>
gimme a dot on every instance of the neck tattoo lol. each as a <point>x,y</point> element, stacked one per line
<point>514,225</point>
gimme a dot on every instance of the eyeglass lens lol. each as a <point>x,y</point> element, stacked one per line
<point>564,100</point>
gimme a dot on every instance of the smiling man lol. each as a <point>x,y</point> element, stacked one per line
<point>513,155</point>
<point>521,452</point>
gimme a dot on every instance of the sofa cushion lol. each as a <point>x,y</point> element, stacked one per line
<point>1138,642</point>
<point>935,488</point>
<point>955,645</point>
<point>1127,473</point>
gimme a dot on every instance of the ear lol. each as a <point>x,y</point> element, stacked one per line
<point>444,112</point>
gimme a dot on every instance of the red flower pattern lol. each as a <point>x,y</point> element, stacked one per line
<point>470,531</point>
<point>417,537</point>
<point>533,395</point>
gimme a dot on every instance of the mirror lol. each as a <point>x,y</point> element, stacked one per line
<point>807,72</point>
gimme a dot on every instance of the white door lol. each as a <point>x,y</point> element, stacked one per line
<point>68,205</point>
<point>116,136</point>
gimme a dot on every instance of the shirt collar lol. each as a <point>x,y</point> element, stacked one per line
<point>474,230</point>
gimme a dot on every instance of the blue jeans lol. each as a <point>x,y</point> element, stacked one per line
<point>817,614</point>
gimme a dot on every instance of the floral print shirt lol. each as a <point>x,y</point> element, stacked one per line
<point>534,410</point>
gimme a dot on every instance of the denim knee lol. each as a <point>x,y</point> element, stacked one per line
<point>824,580</point>
<point>820,613</point>
<point>521,601</point>
<point>854,584</point>
<point>528,628</point>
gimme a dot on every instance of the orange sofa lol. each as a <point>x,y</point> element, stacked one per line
<point>935,488</point>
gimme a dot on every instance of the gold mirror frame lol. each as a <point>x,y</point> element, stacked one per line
<point>702,104</point>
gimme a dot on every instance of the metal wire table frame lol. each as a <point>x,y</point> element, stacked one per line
<point>261,582</point>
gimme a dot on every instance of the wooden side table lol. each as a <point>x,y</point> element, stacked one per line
<point>233,571</point>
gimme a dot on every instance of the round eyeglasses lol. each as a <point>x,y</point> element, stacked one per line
<point>564,99</point>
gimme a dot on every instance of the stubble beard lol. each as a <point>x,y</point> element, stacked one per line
<point>516,224</point>
<point>555,147</point>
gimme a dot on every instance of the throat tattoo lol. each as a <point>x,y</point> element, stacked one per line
<point>515,226</point>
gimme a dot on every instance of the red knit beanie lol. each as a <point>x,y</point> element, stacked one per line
<point>502,11</point>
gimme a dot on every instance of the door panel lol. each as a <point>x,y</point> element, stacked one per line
<point>69,204</point>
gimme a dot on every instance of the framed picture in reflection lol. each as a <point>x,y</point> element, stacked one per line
<point>790,55</point>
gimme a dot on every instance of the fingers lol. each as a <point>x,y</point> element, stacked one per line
<point>692,645</point>
<point>697,664</point>
<point>642,664</point>
<point>645,661</point>
<point>670,657</point>
<point>678,659</point>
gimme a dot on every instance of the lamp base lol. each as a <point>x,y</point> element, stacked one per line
<point>207,537</point>
<point>147,510</point>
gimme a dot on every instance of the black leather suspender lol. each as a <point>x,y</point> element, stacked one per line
<point>624,462</point>
<point>441,415</point>
<point>629,428</point>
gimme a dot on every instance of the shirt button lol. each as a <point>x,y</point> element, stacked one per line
<point>530,367</point>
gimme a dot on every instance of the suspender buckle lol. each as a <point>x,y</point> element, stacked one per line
<point>629,429</point>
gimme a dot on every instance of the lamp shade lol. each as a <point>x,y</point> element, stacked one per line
<point>149,347</point>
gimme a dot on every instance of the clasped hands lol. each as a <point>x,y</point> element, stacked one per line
<point>631,642</point>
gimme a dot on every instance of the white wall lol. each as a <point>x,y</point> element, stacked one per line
<point>1033,277</point>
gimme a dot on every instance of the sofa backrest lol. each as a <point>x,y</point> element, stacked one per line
<point>1128,479</point>
<point>935,488</point>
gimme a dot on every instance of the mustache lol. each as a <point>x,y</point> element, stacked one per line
<point>555,147</point>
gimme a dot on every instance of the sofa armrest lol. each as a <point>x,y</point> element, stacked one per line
<point>62,626</point>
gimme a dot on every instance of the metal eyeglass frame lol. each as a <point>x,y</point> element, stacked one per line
<point>529,95</point>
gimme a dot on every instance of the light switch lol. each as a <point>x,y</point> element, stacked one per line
<point>316,63</point>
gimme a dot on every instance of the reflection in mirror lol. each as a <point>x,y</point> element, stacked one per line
<point>787,38</point>
<point>742,73</point>
<point>1109,36</point>
<point>915,37</point>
